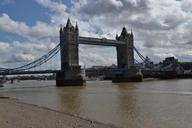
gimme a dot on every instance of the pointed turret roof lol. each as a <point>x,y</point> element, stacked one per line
<point>124,32</point>
<point>76,27</point>
<point>61,29</point>
<point>68,25</point>
<point>117,36</point>
<point>131,33</point>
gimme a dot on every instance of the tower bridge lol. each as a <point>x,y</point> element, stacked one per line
<point>70,72</point>
<point>69,44</point>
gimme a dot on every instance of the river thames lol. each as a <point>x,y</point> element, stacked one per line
<point>149,104</point>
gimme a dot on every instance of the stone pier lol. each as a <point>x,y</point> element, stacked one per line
<point>71,77</point>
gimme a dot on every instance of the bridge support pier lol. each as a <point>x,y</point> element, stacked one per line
<point>72,77</point>
<point>130,75</point>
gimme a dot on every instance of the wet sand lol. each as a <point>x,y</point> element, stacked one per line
<point>15,114</point>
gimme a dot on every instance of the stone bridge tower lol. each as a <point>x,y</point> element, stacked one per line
<point>125,53</point>
<point>69,48</point>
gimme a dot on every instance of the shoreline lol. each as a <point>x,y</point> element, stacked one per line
<point>17,114</point>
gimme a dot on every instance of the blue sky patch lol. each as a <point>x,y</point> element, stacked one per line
<point>27,11</point>
<point>10,37</point>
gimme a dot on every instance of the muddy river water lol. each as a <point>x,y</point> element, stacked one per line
<point>149,104</point>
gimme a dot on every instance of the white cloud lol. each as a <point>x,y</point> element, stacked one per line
<point>186,5</point>
<point>58,7</point>
<point>8,25</point>
<point>3,46</point>
<point>22,57</point>
<point>92,55</point>
<point>40,31</point>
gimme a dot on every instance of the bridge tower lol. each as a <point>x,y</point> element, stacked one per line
<point>70,69</point>
<point>125,59</point>
<point>125,53</point>
<point>69,46</point>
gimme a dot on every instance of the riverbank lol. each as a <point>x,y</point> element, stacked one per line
<point>15,114</point>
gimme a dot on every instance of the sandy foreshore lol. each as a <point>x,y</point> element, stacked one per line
<point>15,114</point>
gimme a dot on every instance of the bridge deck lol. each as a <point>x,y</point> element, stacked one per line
<point>97,41</point>
<point>30,72</point>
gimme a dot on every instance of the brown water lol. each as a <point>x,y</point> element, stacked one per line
<point>150,104</point>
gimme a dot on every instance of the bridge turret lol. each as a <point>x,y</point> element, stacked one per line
<point>131,40</point>
<point>117,36</point>
<point>61,29</point>
<point>131,35</point>
<point>69,25</point>
<point>76,28</point>
<point>124,33</point>
<point>61,34</point>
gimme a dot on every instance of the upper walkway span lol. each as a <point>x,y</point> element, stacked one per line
<point>98,41</point>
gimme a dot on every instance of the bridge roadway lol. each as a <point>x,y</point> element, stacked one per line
<point>102,41</point>
<point>146,73</point>
<point>45,72</point>
<point>30,72</point>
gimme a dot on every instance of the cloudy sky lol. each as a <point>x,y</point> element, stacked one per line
<point>30,28</point>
